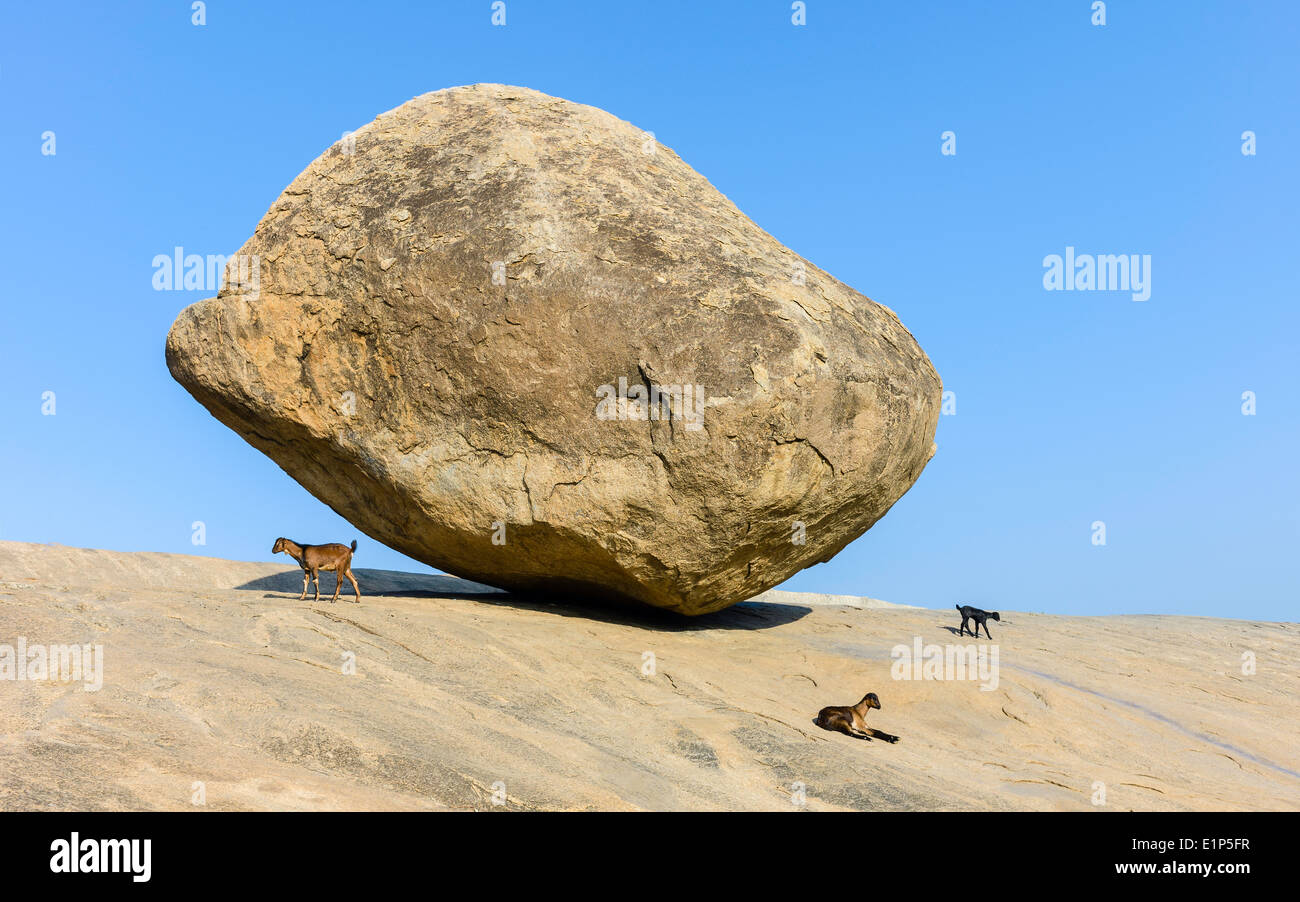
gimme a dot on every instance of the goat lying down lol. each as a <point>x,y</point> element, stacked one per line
<point>851,720</point>
<point>315,558</point>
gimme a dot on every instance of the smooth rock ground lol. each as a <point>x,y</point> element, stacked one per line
<point>217,673</point>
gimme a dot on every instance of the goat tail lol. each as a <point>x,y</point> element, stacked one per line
<point>957,606</point>
<point>354,544</point>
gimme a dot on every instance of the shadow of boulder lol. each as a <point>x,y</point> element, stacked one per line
<point>391,583</point>
<point>747,615</point>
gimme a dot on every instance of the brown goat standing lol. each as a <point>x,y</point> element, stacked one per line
<point>315,558</point>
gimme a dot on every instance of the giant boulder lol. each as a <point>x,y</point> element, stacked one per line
<point>517,339</point>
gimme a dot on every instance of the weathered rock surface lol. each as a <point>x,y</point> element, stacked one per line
<point>437,311</point>
<point>214,671</point>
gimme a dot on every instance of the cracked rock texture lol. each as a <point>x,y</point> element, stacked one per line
<point>438,309</point>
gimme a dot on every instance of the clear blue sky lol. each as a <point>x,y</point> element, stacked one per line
<point>1072,407</point>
